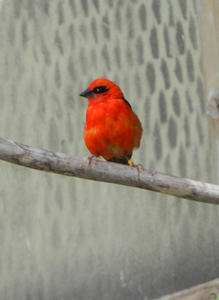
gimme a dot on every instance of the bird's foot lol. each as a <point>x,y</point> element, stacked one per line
<point>138,167</point>
<point>90,158</point>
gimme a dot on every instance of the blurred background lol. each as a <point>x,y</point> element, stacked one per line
<point>65,238</point>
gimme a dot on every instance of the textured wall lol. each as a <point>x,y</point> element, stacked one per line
<point>63,238</point>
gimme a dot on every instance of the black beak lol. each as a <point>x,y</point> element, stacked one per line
<point>87,94</point>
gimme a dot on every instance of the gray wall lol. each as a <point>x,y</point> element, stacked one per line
<point>64,238</point>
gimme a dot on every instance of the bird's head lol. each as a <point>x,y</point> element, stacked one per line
<point>100,88</point>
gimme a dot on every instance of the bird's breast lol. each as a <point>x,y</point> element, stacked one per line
<point>111,127</point>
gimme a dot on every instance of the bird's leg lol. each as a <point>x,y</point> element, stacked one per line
<point>90,158</point>
<point>139,167</point>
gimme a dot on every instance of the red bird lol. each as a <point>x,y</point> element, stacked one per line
<point>112,129</point>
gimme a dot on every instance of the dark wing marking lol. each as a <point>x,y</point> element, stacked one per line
<point>126,101</point>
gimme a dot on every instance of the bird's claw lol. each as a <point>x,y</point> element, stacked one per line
<point>139,167</point>
<point>90,158</point>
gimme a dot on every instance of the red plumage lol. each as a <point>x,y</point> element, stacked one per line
<point>112,130</point>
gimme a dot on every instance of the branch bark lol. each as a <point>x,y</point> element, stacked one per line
<point>107,172</point>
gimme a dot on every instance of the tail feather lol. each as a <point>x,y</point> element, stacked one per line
<point>122,160</point>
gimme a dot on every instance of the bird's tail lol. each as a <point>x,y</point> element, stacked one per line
<point>122,160</point>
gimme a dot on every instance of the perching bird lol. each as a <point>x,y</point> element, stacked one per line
<point>112,129</point>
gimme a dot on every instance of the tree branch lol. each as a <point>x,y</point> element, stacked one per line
<point>107,172</point>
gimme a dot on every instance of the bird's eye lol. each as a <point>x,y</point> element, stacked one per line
<point>100,89</point>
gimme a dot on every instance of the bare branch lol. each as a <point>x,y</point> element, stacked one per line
<point>107,172</point>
